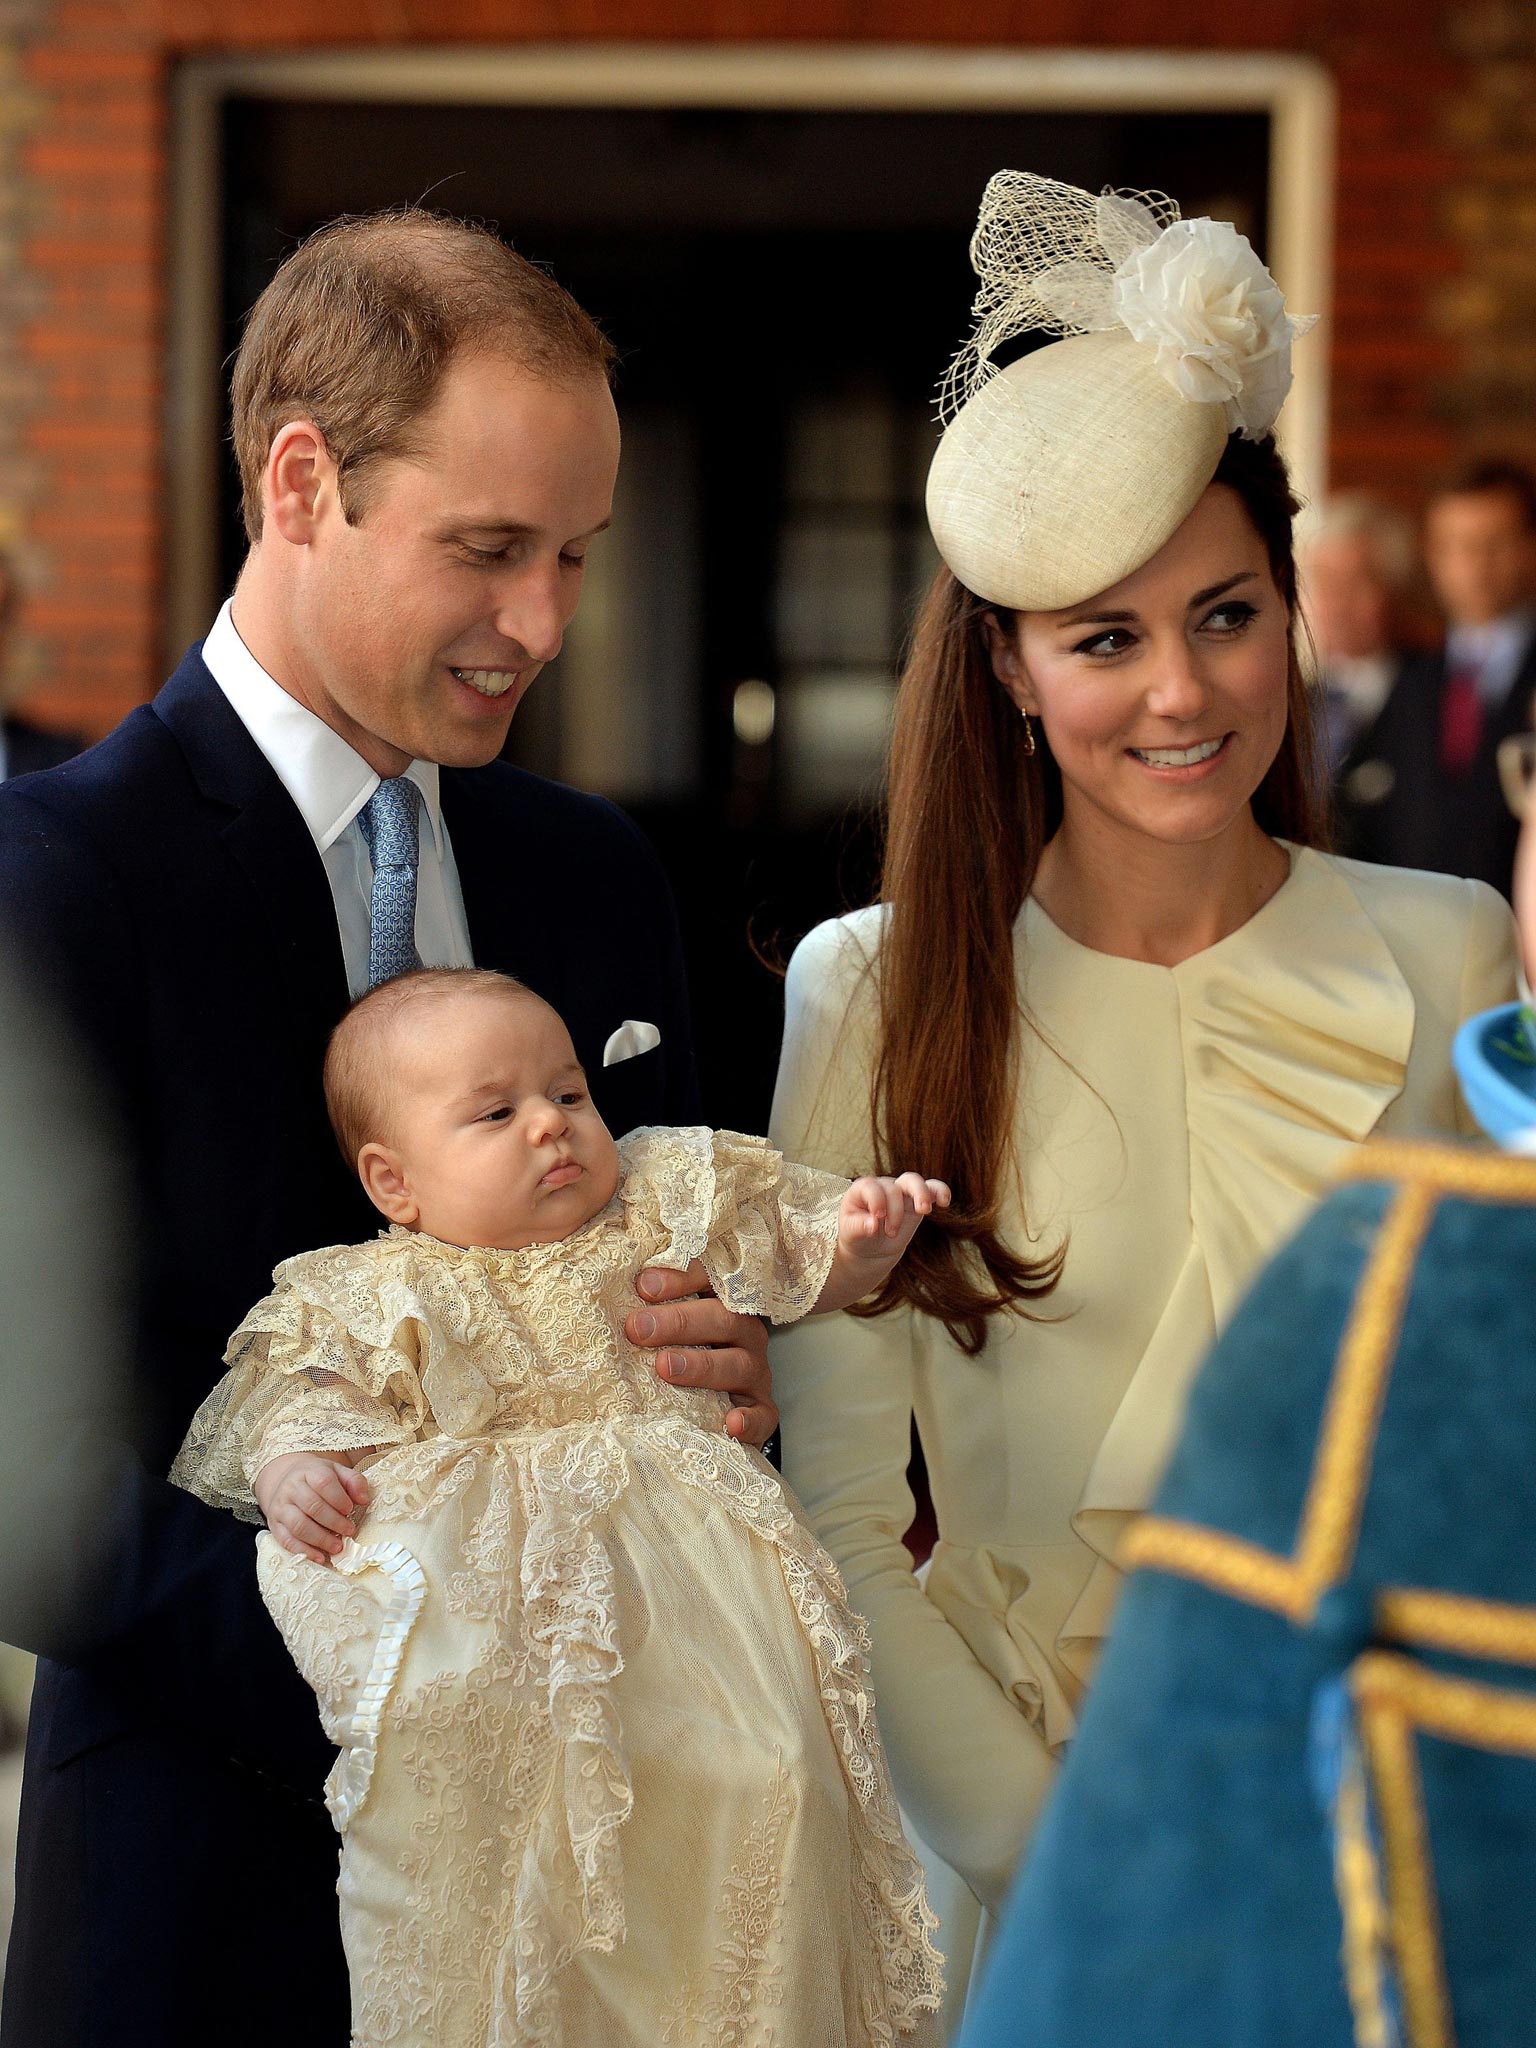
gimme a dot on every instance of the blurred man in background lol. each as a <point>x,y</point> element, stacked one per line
<point>1425,791</point>
<point>1356,569</point>
<point>23,745</point>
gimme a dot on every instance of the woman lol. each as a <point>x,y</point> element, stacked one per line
<point>1115,991</point>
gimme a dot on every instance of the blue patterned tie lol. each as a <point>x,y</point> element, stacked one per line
<point>389,822</point>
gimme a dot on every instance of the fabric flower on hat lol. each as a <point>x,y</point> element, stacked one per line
<point>1216,317</point>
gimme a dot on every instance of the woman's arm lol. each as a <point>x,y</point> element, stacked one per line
<point>968,1768</point>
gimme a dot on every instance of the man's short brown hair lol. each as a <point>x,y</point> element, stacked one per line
<point>360,324</point>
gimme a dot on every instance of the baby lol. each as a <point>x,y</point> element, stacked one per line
<point>609,1775</point>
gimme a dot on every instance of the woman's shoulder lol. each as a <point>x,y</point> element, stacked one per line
<point>1429,915</point>
<point>1415,892</point>
<point>838,954</point>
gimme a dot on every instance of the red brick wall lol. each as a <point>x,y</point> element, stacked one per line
<point>94,174</point>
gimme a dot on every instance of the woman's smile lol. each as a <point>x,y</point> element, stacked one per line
<point>1184,764</point>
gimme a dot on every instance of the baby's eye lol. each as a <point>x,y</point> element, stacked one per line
<point>496,1116</point>
<point>568,1098</point>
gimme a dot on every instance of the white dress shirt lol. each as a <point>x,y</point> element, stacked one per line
<point>1493,653</point>
<point>330,782</point>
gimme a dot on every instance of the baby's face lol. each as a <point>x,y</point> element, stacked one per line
<point>493,1136</point>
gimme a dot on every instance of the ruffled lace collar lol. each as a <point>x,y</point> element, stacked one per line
<point>495,1259</point>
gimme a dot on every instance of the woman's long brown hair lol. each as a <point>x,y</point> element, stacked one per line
<point>969,812</point>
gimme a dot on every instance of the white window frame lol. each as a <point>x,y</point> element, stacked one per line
<point>1296,92</point>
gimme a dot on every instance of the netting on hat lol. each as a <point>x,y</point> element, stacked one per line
<point>1046,255</point>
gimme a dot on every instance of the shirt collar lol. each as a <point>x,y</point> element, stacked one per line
<point>328,780</point>
<point>1504,637</point>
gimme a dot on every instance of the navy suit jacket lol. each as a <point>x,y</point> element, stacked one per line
<point>1398,805</point>
<point>30,747</point>
<point>167,891</point>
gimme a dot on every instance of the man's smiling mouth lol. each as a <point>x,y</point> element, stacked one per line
<point>490,682</point>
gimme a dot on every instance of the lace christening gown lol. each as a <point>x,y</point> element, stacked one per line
<point>609,1772</point>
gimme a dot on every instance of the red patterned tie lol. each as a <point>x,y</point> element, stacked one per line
<point>1461,720</point>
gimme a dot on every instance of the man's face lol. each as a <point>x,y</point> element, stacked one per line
<point>418,629</point>
<point>1348,601</point>
<point>1480,554</point>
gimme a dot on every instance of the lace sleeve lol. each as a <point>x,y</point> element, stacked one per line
<point>765,1230</point>
<point>773,1229</point>
<point>300,1379</point>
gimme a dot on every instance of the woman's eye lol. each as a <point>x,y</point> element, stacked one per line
<point>1104,645</point>
<point>1231,617</point>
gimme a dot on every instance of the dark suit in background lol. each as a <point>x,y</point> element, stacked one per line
<point>27,747</point>
<point>1399,805</point>
<point>176,1873</point>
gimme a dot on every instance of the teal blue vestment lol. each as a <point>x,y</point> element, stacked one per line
<point>1301,1808</point>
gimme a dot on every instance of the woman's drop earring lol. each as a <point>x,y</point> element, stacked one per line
<point>1029,735</point>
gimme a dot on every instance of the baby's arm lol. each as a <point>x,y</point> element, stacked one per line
<point>876,1221</point>
<point>310,1498</point>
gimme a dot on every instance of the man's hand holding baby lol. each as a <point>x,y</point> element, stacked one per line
<point>876,1221</point>
<point>311,1502</point>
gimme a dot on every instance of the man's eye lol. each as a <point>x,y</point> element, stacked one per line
<point>572,561</point>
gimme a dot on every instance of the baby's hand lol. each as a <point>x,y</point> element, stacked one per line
<point>879,1214</point>
<point>311,1502</point>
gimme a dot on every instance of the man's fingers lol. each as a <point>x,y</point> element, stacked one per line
<point>702,1321</point>
<point>660,1283</point>
<point>727,1368</point>
<point>752,1423</point>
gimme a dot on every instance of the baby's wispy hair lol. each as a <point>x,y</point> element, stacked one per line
<point>358,1071</point>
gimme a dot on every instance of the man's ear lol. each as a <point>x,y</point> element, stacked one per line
<point>298,479</point>
<point>1008,663</point>
<point>382,1174</point>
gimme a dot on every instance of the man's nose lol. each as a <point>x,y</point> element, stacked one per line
<point>535,611</point>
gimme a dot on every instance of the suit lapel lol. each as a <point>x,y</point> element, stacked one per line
<point>506,929</point>
<point>1514,714</point>
<point>267,839</point>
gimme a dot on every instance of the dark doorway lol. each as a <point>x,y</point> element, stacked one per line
<point>786,289</point>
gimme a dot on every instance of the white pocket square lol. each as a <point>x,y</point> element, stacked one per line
<point>632,1037</point>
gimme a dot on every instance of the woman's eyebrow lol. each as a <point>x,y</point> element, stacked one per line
<point>1129,618</point>
<point>1221,589</point>
<point>1096,619</point>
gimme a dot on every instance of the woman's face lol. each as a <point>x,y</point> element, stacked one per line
<point>1164,698</point>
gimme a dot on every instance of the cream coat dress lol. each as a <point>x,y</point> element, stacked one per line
<point>1175,1125</point>
<point>609,1772</point>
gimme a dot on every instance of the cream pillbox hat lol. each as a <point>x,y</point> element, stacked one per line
<point>1063,473</point>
